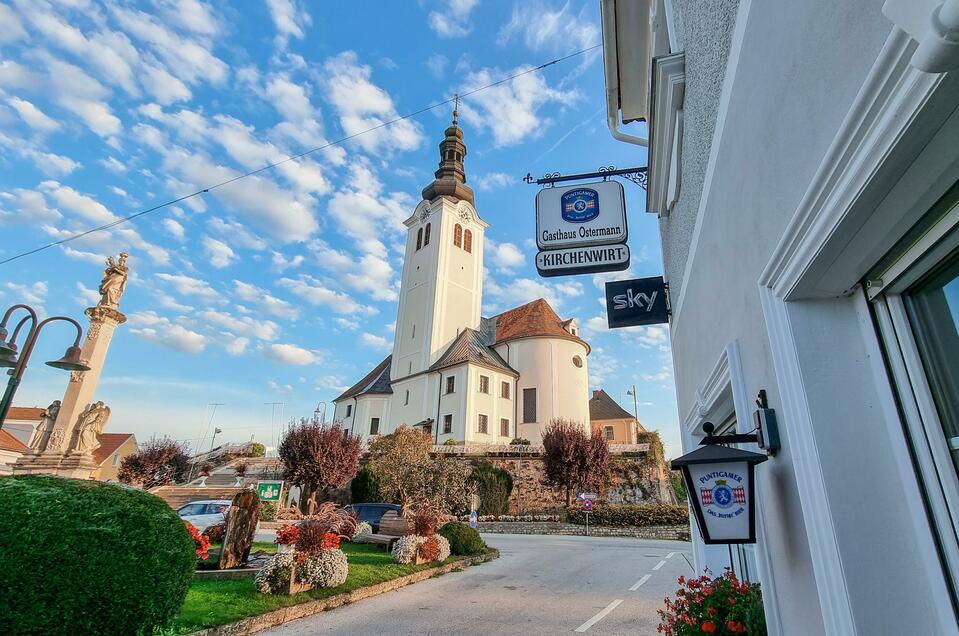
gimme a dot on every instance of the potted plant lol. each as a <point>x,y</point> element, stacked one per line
<point>204,474</point>
<point>722,605</point>
<point>240,470</point>
<point>423,545</point>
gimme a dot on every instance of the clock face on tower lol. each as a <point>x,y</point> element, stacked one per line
<point>425,214</point>
<point>465,215</point>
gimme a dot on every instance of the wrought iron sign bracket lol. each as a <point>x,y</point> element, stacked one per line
<point>766,434</point>
<point>636,175</point>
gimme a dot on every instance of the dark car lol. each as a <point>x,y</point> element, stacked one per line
<point>371,512</point>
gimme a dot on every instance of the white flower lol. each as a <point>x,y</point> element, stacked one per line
<point>444,546</point>
<point>329,568</point>
<point>362,532</point>
<point>404,550</point>
<point>274,575</point>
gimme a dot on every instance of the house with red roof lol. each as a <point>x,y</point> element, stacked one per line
<point>454,373</point>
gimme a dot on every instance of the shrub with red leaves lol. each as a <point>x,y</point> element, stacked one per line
<point>429,550</point>
<point>722,606</point>
<point>201,542</point>
<point>425,520</point>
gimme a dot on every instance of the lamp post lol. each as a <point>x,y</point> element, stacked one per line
<point>316,412</point>
<point>18,364</point>
<point>213,439</point>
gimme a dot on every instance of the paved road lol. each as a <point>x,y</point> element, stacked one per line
<point>540,585</point>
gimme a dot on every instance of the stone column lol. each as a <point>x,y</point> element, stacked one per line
<point>55,452</point>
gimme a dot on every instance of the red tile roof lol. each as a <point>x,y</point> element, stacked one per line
<point>10,443</point>
<point>30,413</point>
<point>531,320</point>
<point>109,443</point>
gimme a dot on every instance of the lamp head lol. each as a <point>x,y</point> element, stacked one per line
<point>70,361</point>
<point>8,358</point>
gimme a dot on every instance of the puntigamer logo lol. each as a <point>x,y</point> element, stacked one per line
<point>580,205</point>
<point>722,494</point>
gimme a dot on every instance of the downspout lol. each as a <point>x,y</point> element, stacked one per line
<point>515,397</point>
<point>439,396</point>
<point>353,422</point>
<point>611,66</point>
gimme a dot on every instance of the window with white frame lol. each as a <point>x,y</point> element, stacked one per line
<point>609,433</point>
<point>450,384</point>
<point>374,426</point>
<point>504,427</point>
<point>448,423</point>
<point>482,425</point>
<point>504,390</point>
<point>484,384</point>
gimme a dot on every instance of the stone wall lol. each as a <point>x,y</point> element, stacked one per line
<point>669,533</point>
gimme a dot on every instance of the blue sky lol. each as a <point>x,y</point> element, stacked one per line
<point>281,288</point>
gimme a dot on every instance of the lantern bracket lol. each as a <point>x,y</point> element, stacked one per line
<point>765,434</point>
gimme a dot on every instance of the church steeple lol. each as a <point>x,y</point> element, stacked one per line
<point>451,176</point>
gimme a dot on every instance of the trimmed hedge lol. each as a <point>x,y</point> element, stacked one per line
<point>494,486</point>
<point>658,514</point>
<point>464,540</point>
<point>86,557</point>
<point>364,487</point>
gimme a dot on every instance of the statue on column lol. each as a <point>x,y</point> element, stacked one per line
<point>45,427</point>
<point>114,281</point>
<point>90,424</point>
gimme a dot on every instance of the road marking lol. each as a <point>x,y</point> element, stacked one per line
<point>602,614</point>
<point>659,565</point>
<point>668,556</point>
<point>640,582</point>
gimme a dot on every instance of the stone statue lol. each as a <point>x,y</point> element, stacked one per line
<point>45,427</point>
<point>90,424</point>
<point>114,281</point>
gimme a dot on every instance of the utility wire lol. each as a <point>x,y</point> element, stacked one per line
<point>270,166</point>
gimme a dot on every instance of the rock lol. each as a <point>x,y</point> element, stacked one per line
<point>240,529</point>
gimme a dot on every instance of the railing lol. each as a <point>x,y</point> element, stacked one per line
<point>524,449</point>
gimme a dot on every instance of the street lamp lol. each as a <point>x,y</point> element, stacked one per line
<point>18,364</point>
<point>213,439</point>
<point>316,412</point>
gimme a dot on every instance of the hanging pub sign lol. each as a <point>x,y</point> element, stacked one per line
<point>581,229</point>
<point>640,301</point>
<point>721,486</point>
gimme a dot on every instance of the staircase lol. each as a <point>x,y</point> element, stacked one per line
<point>176,496</point>
<point>221,482</point>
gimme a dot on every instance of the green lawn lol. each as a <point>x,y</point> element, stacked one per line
<point>211,603</point>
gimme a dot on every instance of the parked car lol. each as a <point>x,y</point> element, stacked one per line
<point>202,514</point>
<point>371,512</point>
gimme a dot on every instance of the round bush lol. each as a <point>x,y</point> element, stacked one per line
<point>327,568</point>
<point>86,557</point>
<point>463,539</point>
<point>404,549</point>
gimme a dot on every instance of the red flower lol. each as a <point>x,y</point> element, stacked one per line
<point>330,541</point>
<point>735,627</point>
<point>201,542</point>
<point>287,535</point>
<point>709,627</point>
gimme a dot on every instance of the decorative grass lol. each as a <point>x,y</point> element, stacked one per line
<point>212,603</point>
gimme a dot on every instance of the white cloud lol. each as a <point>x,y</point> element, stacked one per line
<point>87,297</point>
<point>437,63</point>
<point>31,206</point>
<point>34,294</point>
<point>236,346</point>
<point>553,30</point>
<point>511,111</point>
<point>266,301</point>
<point>174,228</point>
<point>11,28</point>
<point>88,257</point>
<point>291,354</point>
<point>243,325</point>
<point>160,330</point>
<point>33,116</point>
<point>13,75</point>
<point>504,257</point>
<point>313,292</point>
<point>279,388</point>
<point>193,15</point>
<point>348,323</point>
<point>113,165</point>
<point>453,20</point>
<point>84,96</point>
<point>164,87</point>
<point>236,233</point>
<point>281,263</point>
<point>50,164</point>
<point>660,376</point>
<point>331,383</point>
<point>523,290</point>
<point>376,342</point>
<point>361,105</point>
<point>290,20</point>
<point>189,286</point>
<point>219,252</point>
<point>493,180</point>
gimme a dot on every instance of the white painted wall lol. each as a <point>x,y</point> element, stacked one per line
<point>843,562</point>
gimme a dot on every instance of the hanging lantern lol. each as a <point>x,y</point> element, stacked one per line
<point>720,482</point>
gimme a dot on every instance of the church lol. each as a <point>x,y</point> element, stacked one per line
<point>453,373</point>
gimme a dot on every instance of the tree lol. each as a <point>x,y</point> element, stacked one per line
<point>494,486</point>
<point>318,456</point>
<point>257,450</point>
<point>405,472</point>
<point>156,463</point>
<point>573,459</point>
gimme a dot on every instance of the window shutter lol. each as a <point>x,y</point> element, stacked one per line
<point>529,405</point>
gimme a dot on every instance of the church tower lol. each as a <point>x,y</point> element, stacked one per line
<point>442,287</point>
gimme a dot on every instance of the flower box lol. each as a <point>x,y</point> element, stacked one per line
<point>295,586</point>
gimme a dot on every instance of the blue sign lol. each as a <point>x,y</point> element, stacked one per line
<point>587,504</point>
<point>580,205</point>
<point>473,519</point>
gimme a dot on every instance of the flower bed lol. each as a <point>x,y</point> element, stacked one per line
<point>723,606</point>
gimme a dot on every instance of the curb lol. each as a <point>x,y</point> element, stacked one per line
<point>254,624</point>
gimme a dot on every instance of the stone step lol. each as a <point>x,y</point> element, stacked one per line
<point>176,496</point>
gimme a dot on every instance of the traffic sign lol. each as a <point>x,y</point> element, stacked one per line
<point>587,504</point>
<point>473,519</point>
<point>587,496</point>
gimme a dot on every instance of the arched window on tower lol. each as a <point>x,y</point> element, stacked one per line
<point>426,236</point>
<point>458,235</point>
<point>419,238</point>
<point>468,242</point>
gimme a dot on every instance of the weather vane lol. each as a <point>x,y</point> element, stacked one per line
<point>456,108</point>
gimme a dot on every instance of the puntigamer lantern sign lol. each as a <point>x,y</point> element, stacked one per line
<point>720,480</point>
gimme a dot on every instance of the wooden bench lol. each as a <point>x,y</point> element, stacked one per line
<point>392,527</point>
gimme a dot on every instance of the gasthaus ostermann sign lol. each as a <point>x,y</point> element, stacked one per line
<point>581,216</point>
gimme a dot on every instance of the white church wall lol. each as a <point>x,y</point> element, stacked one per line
<point>417,408</point>
<point>489,404</point>
<point>454,403</point>
<point>562,388</point>
<point>368,407</point>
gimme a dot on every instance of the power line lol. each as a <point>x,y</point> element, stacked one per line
<point>270,166</point>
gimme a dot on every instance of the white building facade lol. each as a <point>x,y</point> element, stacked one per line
<point>803,162</point>
<point>452,372</point>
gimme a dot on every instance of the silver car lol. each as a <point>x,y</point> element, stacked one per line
<point>205,513</point>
